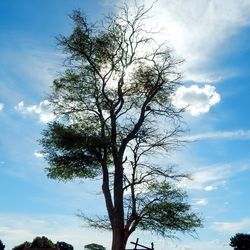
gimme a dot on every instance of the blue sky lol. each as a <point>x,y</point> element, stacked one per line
<point>214,39</point>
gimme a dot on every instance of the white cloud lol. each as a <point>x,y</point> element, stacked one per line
<point>237,134</point>
<point>42,110</point>
<point>200,202</point>
<point>199,31</point>
<point>196,244</point>
<point>1,106</point>
<point>197,100</point>
<point>36,66</point>
<point>207,245</point>
<point>38,154</point>
<point>209,188</point>
<point>231,227</point>
<point>210,178</point>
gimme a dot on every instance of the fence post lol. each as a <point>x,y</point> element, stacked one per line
<point>136,243</point>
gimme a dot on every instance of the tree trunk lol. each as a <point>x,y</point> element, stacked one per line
<point>119,240</point>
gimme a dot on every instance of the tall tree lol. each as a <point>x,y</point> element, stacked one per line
<point>114,109</point>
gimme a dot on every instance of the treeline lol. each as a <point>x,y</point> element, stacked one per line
<point>45,243</point>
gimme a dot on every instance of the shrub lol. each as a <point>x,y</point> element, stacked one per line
<point>26,244</point>
<point>94,246</point>
<point>2,246</point>
<point>42,242</point>
<point>38,242</point>
<point>64,246</point>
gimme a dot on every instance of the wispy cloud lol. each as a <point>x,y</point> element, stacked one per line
<point>215,244</point>
<point>38,154</point>
<point>1,106</point>
<point>236,134</point>
<point>213,177</point>
<point>197,100</point>
<point>27,70</point>
<point>197,244</point>
<point>232,227</point>
<point>199,31</point>
<point>209,188</point>
<point>36,66</point>
<point>42,110</point>
<point>200,202</point>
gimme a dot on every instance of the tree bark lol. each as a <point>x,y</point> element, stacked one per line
<point>118,241</point>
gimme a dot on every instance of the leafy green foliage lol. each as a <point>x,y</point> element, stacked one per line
<point>240,241</point>
<point>72,151</point>
<point>165,210</point>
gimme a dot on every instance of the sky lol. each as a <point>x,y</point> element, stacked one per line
<point>212,36</point>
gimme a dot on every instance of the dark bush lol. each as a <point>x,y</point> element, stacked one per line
<point>94,246</point>
<point>64,246</point>
<point>2,246</point>
<point>42,242</point>
<point>38,242</point>
<point>26,244</point>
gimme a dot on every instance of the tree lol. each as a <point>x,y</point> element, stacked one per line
<point>38,242</point>
<point>94,246</point>
<point>2,246</point>
<point>240,241</point>
<point>42,242</point>
<point>110,102</point>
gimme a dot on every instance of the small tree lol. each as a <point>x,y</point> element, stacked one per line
<point>240,241</point>
<point>110,103</point>
<point>94,246</point>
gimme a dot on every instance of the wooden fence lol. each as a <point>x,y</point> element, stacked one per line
<point>142,246</point>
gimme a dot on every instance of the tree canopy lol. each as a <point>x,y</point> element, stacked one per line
<point>114,113</point>
<point>240,241</point>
